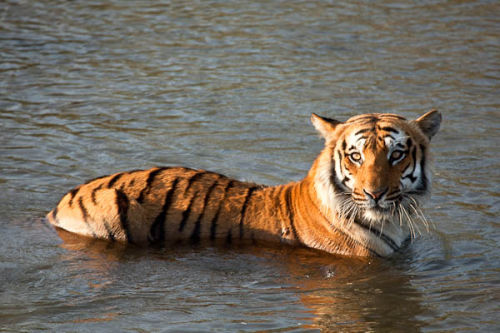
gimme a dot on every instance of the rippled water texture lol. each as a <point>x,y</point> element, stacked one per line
<point>89,88</point>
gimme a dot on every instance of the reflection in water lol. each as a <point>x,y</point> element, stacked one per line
<point>96,258</point>
<point>96,249</point>
<point>89,262</point>
<point>355,295</point>
<point>339,294</point>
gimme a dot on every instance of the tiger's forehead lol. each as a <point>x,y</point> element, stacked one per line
<point>375,130</point>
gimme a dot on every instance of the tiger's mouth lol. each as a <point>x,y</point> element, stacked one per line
<point>379,210</point>
<point>381,207</point>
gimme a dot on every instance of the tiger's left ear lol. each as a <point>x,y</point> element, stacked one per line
<point>325,126</point>
<point>429,123</point>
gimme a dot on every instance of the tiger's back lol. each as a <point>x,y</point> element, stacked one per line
<point>156,205</point>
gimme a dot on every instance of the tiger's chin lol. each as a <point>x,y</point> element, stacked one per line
<point>378,214</point>
<point>373,212</point>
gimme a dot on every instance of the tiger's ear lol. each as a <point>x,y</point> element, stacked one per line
<point>429,123</point>
<point>325,126</point>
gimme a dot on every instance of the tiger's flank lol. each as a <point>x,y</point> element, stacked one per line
<point>362,196</point>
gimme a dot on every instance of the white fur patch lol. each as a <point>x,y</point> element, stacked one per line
<point>323,186</point>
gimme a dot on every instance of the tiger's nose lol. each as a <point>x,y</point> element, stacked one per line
<point>376,195</point>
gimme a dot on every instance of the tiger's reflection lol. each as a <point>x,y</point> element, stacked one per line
<point>342,294</point>
<point>347,294</point>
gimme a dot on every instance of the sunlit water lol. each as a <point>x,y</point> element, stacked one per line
<point>89,88</point>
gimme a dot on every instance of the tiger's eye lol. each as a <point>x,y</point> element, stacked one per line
<point>355,157</point>
<point>397,154</point>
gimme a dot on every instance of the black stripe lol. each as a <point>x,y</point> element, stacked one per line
<point>368,118</point>
<point>379,234</point>
<point>93,194</point>
<point>364,137</point>
<point>411,175</point>
<point>344,145</point>
<point>409,143</point>
<point>157,231</point>
<point>406,168</point>
<point>185,214</point>
<point>109,231</point>
<point>392,116</point>
<point>345,178</point>
<point>85,216</point>
<point>388,129</point>
<point>193,179</point>
<point>244,208</point>
<point>123,203</point>
<point>424,181</point>
<point>149,183</point>
<point>333,179</point>
<point>229,237</point>
<point>195,236</point>
<point>288,208</point>
<point>114,179</point>
<point>85,213</point>
<point>72,195</point>
<point>364,131</point>
<point>213,224</point>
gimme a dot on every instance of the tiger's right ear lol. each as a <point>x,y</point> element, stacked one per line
<point>429,123</point>
<point>325,126</point>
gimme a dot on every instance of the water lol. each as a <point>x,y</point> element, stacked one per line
<point>90,88</point>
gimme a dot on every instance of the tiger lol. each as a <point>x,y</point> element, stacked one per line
<point>361,197</point>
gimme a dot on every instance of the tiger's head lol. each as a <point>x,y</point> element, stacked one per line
<point>374,167</point>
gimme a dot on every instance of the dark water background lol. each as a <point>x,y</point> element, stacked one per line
<point>93,87</point>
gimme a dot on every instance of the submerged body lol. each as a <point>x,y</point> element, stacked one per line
<point>361,197</point>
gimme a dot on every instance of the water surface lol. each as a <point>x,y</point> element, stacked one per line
<point>95,87</point>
